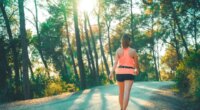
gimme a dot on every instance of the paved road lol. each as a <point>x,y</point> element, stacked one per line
<point>144,96</point>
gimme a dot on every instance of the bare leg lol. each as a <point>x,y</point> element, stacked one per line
<point>127,88</point>
<point>121,93</point>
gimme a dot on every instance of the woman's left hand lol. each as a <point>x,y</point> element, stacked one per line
<point>111,75</point>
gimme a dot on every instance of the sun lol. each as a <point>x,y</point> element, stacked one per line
<point>86,5</point>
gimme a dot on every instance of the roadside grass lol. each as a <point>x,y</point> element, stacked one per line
<point>190,102</point>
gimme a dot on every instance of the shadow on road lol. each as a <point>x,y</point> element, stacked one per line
<point>144,96</point>
<point>156,96</point>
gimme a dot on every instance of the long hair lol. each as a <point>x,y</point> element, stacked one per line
<point>125,41</point>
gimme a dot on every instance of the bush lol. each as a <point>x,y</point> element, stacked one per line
<point>181,78</point>
<point>53,89</point>
<point>57,86</point>
<point>43,86</point>
<point>142,76</point>
<point>103,77</point>
<point>166,76</point>
<point>194,88</point>
<point>188,76</point>
<point>38,85</point>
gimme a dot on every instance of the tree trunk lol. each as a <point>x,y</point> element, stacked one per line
<point>89,64</point>
<point>3,66</point>
<point>71,52</point>
<point>78,44</point>
<point>100,39</point>
<point>153,50</point>
<point>94,46</point>
<point>5,73</point>
<point>64,67</point>
<point>158,59</point>
<point>132,34</point>
<point>176,42</point>
<point>95,75</point>
<point>39,39</point>
<point>109,43</point>
<point>155,65</point>
<point>24,43</point>
<point>101,47</point>
<point>31,70</point>
<point>13,46</point>
<point>195,30</point>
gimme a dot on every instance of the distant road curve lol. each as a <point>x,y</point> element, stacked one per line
<point>144,96</point>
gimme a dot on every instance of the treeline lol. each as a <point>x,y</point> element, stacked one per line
<point>68,52</point>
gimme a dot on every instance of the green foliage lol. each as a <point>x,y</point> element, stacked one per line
<point>181,77</point>
<point>170,58</point>
<point>38,85</point>
<point>57,86</point>
<point>143,76</point>
<point>146,67</point>
<point>104,80</point>
<point>8,93</point>
<point>188,76</point>
<point>166,75</point>
<point>193,60</point>
<point>53,89</point>
<point>42,86</point>
<point>169,63</point>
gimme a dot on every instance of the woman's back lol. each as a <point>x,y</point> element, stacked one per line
<point>126,57</point>
<point>126,62</point>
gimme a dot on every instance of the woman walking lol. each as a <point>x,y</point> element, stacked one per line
<point>126,67</point>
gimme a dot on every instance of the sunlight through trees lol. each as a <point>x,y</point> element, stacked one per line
<point>53,46</point>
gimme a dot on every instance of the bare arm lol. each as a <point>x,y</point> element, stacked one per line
<point>115,62</point>
<point>114,65</point>
<point>136,61</point>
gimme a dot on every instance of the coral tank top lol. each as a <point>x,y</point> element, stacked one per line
<point>126,63</point>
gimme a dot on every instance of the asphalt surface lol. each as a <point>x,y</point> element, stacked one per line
<point>144,96</point>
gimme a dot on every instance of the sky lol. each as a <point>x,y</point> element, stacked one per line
<point>42,14</point>
<point>87,5</point>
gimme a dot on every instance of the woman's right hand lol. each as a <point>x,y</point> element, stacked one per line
<point>136,71</point>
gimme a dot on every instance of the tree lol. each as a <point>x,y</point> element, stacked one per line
<point>91,59</point>
<point>24,43</point>
<point>13,46</point>
<point>190,8</point>
<point>176,43</point>
<point>131,6</point>
<point>108,17</point>
<point>170,58</point>
<point>39,38</point>
<point>78,44</point>
<point>100,39</point>
<point>152,9</point>
<point>94,46</point>
<point>175,15</point>
<point>5,71</point>
<point>65,12</point>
